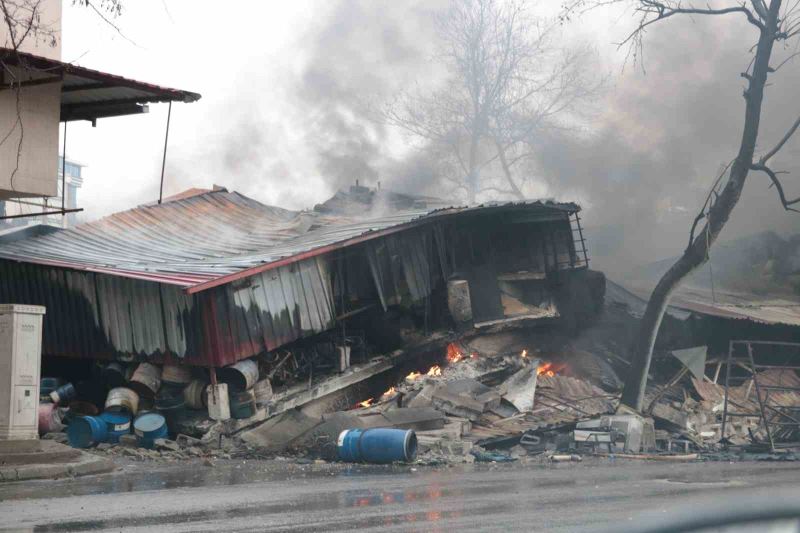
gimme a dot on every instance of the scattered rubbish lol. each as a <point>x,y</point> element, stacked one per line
<point>377,445</point>
<point>564,458</point>
<point>491,457</point>
<point>49,419</point>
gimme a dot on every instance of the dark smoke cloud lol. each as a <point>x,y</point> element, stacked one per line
<point>355,62</point>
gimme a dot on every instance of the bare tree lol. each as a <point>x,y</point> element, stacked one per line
<point>507,81</point>
<point>772,23</point>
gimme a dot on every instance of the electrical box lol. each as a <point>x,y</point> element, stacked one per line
<point>20,366</point>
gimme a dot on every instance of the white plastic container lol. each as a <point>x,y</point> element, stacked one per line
<point>219,407</point>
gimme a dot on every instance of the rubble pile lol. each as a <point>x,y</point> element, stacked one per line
<point>466,405</point>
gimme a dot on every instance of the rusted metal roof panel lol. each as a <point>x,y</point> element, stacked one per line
<point>213,238</point>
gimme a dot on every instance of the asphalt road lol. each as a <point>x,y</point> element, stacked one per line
<point>261,496</point>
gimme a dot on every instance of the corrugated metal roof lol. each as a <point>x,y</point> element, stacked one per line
<point>721,304</point>
<point>212,238</point>
<point>87,93</point>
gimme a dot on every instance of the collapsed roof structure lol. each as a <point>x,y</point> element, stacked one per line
<point>212,277</point>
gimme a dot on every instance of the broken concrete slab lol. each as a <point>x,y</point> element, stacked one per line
<point>459,405</point>
<point>425,396</point>
<point>278,432</point>
<point>301,394</point>
<point>416,418</point>
<point>520,388</point>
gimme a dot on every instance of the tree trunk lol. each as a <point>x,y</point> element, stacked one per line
<point>697,252</point>
<point>507,171</point>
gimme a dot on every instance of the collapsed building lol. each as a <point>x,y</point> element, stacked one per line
<point>209,278</point>
<point>476,326</point>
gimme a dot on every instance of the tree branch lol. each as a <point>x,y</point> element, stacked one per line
<point>766,157</point>
<point>787,204</point>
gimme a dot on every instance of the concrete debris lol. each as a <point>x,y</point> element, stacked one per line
<point>520,388</point>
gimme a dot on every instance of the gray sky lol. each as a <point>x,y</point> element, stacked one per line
<point>248,61</point>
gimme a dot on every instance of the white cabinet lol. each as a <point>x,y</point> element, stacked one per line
<point>20,365</point>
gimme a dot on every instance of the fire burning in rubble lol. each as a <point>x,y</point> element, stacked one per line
<point>389,393</point>
<point>434,371</point>
<point>366,403</point>
<point>548,369</point>
<point>454,355</point>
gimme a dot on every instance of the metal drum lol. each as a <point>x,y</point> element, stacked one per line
<point>86,431</point>
<point>377,445</point>
<point>114,375</point>
<point>122,399</point>
<point>63,394</point>
<point>195,394</point>
<point>243,404</point>
<point>117,424</point>
<point>149,427</point>
<point>176,375</point>
<point>241,376</point>
<point>146,380</point>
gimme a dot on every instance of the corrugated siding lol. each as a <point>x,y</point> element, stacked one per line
<point>101,316</point>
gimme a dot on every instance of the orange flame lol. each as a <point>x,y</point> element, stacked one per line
<point>454,355</point>
<point>412,376</point>
<point>435,370</point>
<point>391,392</point>
<point>548,369</point>
<point>366,403</point>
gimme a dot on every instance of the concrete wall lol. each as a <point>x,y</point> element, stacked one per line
<point>39,107</point>
<point>50,24</point>
<point>39,114</point>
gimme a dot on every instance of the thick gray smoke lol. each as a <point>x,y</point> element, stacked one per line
<point>641,169</point>
<point>645,168</point>
<point>355,62</point>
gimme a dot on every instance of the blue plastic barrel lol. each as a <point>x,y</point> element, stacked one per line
<point>377,445</point>
<point>149,427</point>
<point>86,431</point>
<point>117,424</point>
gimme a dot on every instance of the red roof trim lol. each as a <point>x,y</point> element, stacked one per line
<point>51,65</point>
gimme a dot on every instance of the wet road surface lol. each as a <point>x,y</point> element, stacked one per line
<point>264,496</point>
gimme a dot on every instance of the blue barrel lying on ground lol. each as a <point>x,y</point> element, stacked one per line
<point>149,427</point>
<point>377,445</point>
<point>86,431</point>
<point>117,424</point>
